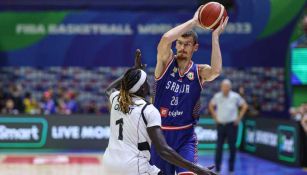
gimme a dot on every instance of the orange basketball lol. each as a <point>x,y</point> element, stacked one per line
<point>211,14</point>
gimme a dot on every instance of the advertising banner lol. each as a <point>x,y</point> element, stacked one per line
<point>54,133</point>
<point>77,133</point>
<point>110,37</point>
<point>276,140</point>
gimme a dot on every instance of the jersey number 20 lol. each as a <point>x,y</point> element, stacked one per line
<point>120,122</point>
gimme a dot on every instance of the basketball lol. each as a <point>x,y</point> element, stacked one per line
<point>211,14</point>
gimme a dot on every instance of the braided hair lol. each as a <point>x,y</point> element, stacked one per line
<point>131,77</point>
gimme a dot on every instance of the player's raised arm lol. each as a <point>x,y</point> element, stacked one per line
<point>171,156</point>
<point>115,85</point>
<point>209,73</point>
<point>165,44</point>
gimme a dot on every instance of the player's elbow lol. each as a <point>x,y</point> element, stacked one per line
<point>166,38</point>
<point>216,72</point>
<point>163,44</point>
<point>213,75</point>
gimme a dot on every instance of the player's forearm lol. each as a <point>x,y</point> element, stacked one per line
<point>167,153</point>
<point>176,32</point>
<point>174,158</point>
<point>216,57</point>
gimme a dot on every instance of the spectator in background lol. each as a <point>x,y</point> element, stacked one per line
<point>71,103</point>
<point>15,93</point>
<point>92,108</point>
<point>68,105</point>
<point>48,105</point>
<point>59,95</point>
<point>254,108</point>
<point>3,97</point>
<point>30,104</point>
<point>242,91</point>
<point>10,107</point>
<point>224,109</point>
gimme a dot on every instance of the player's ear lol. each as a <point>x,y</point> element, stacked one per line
<point>196,47</point>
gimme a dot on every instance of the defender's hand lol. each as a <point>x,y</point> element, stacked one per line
<point>206,171</point>
<point>138,61</point>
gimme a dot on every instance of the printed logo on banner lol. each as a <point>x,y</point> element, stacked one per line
<point>75,132</point>
<point>23,132</point>
<point>250,136</point>
<point>287,143</point>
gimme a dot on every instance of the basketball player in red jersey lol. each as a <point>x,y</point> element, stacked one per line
<point>177,89</point>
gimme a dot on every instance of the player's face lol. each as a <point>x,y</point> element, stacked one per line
<point>185,47</point>
<point>144,90</point>
<point>225,87</point>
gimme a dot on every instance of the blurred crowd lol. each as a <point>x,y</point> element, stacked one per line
<point>254,105</point>
<point>13,101</point>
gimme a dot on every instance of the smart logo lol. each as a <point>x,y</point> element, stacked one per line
<point>23,132</point>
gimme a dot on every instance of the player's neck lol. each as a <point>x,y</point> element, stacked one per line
<point>183,64</point>
<point>137,96</point>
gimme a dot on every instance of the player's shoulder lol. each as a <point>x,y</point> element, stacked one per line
<point>150,109</point>
<point>113,95</point>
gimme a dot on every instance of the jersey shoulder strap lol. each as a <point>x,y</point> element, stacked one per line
<point>144,146</point>
<point>142,113</point>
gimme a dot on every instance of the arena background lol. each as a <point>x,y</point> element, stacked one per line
<point>70,51</point>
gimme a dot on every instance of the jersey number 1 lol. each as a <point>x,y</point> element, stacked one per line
<point>120,122</point>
